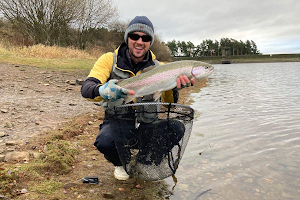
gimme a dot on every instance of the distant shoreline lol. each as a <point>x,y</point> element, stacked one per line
<point>246,59</point>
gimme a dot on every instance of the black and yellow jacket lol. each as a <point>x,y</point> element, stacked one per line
<point>102,72</point>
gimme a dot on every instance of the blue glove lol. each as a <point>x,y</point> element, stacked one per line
<point>112,92</point>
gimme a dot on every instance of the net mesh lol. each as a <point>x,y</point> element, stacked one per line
<point>151,137</point>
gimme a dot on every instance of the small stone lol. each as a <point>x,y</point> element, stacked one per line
<point>2,134</point>
<point>16,156</point>
<point>10,143</point>
<point>4,110</point>
<point>70,185</point>
<point>139,186</point>
<point>80,81</point>
<point>91,123</point>
<point>72,82</point>
<point>2,158</point>
<point>10,149</point>
<point>8,125</point>
<point>24,191</point>
<point>108,195</point>
<point>47,84</point>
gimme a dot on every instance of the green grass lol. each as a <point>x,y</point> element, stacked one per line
<point>48,187</point>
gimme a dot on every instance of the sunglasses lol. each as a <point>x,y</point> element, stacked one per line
<point>135,37</point>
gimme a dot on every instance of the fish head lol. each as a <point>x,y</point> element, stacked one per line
<point>201,70</point>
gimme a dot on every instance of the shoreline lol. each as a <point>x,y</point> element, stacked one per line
<point>246,59</point>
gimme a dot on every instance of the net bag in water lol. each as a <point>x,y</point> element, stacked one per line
<point>151,137</point>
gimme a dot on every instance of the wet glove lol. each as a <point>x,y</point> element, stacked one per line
<point>184,81</point>
<point>112,92</point>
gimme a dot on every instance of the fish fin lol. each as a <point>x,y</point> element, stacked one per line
<point>156,95</point>
<point>129,98</point>
<point>148,68</point>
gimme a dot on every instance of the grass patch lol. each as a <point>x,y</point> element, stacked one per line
<point>48,187</point>
<point>67,154</point>
<point>50,57</point>
<point>58,158</point>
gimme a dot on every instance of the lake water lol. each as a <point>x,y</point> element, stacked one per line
<point>245,142</point>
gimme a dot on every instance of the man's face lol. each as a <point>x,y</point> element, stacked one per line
<point>138,48</point>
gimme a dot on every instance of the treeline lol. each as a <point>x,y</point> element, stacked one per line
<point>224,47</point>
<point>82,24</point>
<point>87,24</point>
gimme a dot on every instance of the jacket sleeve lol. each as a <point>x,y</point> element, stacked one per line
<point>102,68</point>
<point>170,96</point>
<point>90,89</point>
<point>97,76</point>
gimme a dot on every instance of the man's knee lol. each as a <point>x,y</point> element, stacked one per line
<point>104,141</point>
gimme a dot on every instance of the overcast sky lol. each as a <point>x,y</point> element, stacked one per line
<point>274,25</point>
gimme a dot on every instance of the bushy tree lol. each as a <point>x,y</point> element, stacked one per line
<point>173,47</point>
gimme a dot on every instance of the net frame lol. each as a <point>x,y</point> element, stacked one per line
<point>156,158</point>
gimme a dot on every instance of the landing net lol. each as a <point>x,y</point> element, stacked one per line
<point>151,137</point>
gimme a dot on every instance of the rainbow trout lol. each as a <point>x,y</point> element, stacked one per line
<point>155,80</point>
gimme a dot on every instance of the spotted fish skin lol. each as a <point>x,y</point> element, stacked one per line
<point>164,77</point>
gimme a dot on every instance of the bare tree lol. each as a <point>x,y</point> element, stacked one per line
<point>44,21</point>
<point>94,14</point>
<point>53,21</point>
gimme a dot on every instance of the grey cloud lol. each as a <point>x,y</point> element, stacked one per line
<point>272,24</point>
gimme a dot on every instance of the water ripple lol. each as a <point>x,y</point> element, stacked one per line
<point>248,132</point>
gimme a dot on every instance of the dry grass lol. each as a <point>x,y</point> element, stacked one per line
<point>47,52</point>
<point>53,57</point>
<point>52,52</point>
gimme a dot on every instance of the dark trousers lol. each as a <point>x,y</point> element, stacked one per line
<point>150,139</point>
<point>106,145</point>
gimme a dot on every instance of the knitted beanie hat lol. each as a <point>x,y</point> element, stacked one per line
<point>140,24</point>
